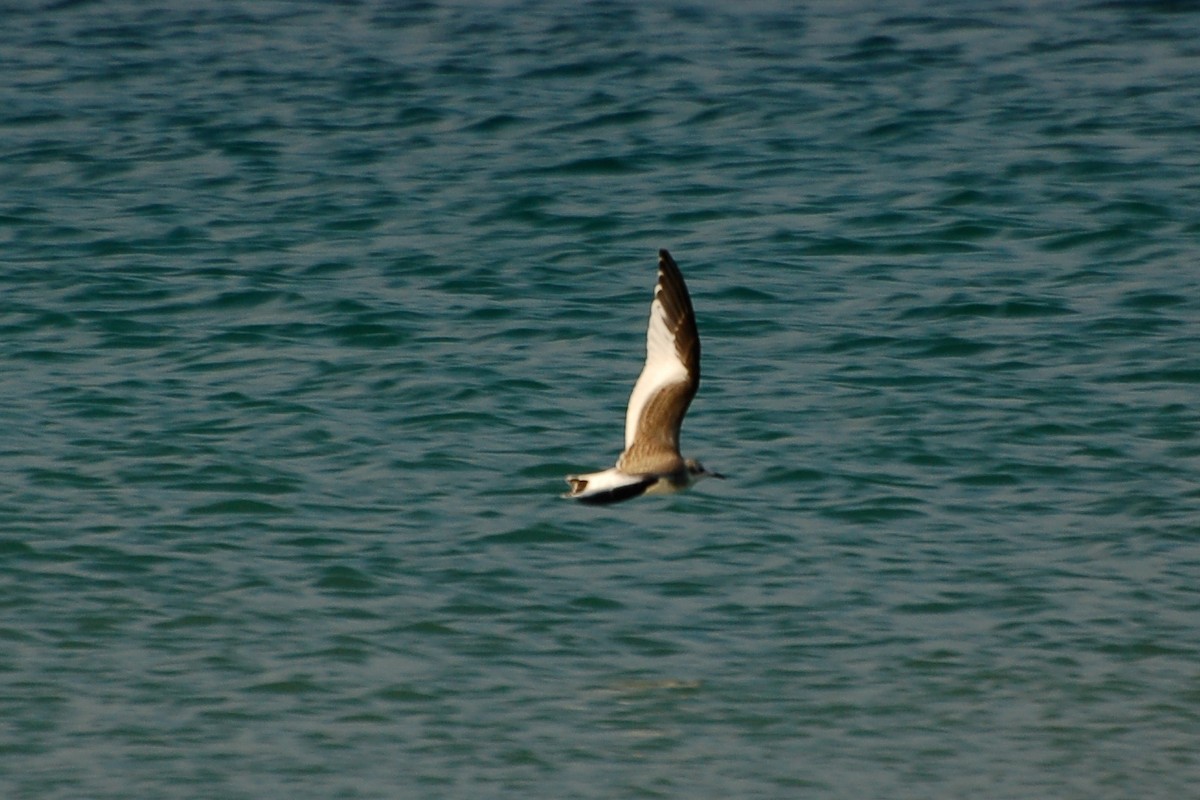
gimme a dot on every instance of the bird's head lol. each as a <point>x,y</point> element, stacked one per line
<point>697,470</point>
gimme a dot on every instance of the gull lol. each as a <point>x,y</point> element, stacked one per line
<point>651,463</point>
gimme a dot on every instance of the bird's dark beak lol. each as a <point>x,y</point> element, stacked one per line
<point>712,474</point>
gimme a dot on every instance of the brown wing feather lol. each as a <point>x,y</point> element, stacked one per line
<point>656,448</point>
<point>673,294</point>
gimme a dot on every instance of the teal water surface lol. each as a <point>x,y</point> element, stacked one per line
<point>306,309</point>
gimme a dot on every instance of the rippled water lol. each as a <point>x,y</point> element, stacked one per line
<point>306,309</point>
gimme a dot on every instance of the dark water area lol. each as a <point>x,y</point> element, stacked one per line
<point>306,309</point>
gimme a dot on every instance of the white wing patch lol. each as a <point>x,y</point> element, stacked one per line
<point>663,366</point>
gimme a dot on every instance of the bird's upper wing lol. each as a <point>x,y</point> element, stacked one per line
<point>671,375</point>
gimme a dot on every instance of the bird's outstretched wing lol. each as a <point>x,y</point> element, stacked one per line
<point>669,378</point>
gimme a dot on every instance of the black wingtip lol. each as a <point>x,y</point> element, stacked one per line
<point>667,264</point>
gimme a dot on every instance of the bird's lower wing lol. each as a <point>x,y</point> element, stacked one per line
<point>609,486</point>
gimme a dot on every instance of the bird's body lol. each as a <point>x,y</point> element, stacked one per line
<point>651,463</point>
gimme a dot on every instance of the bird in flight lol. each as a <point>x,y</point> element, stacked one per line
<point>651,463</point>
